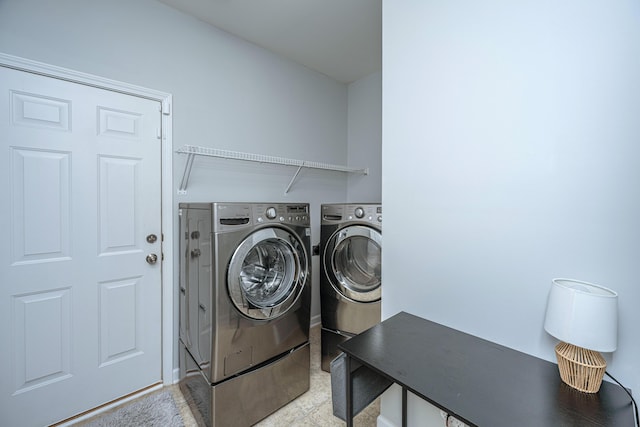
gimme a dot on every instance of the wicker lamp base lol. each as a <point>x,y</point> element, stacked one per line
<point>580,368</point>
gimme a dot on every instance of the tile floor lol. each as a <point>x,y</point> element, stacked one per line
<point>312,409</point>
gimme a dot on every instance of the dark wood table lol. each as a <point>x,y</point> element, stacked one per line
<point>479,382</point>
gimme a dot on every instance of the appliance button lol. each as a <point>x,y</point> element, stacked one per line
<point>359,212</point>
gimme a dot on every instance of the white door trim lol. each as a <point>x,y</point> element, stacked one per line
<point>48,70</point>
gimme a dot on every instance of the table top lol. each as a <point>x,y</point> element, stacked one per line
<point>480,382</point>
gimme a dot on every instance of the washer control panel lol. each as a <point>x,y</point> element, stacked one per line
<point>285,213</point>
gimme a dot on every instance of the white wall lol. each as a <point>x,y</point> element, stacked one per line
<point>365,138</point>
<point>511,157</point>
<point>227,94</point>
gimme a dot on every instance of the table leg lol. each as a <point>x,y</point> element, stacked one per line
<point>404,407</point>
<point>349,393</point>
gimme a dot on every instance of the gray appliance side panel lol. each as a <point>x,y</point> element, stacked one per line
<point>182,276</point>
<point>196,280</point>
<point>195,388</point>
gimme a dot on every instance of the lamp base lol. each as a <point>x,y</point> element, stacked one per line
<point>580,368</point>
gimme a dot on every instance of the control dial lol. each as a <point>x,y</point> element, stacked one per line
<point>271,213</point>
<point>359,212</point>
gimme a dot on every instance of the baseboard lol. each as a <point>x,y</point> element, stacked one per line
<point>383,422</point>
<point>316,320</point>
<point>176,375</point>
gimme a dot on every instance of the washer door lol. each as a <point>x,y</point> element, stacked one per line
<point>352,262</point>
<point>267,273</point>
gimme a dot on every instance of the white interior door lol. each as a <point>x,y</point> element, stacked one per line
<point>80,306</point>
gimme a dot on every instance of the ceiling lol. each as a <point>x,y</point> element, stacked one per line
<point>339,38</point>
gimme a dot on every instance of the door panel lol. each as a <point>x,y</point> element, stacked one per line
<point>80,307</point>
<point>118,187</point>
<point>42,325</point>
<point>40,179</point>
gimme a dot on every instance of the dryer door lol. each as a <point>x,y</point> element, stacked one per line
<point>267,273</point>
<point>352,262</point>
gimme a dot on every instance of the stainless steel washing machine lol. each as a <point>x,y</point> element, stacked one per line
<point>245,301</point>
<point>350,277</point>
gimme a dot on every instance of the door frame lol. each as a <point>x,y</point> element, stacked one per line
<point>167,216</point>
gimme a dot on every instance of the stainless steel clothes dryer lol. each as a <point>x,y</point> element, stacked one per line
<point>350,285</point>
<point>245,301</point>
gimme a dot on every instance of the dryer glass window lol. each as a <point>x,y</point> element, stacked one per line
<point>267,273</point>
<point>357,262</point>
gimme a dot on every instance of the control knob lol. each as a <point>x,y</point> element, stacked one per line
<point>271,213</point>
<point>359,212</point>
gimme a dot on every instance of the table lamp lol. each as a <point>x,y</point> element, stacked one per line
<point>584,317</point>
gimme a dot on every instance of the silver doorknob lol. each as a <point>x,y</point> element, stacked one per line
<point>152,258</point>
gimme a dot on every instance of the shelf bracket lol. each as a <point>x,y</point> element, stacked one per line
<point>293,179</point>
<point>186,174</point>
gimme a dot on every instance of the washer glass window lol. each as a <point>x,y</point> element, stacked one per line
<point>357,263</point>
<point>353,260</point>
<point>266,272</point>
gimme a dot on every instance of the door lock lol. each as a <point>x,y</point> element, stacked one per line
<point>151,238</point>
<point>152,258</point>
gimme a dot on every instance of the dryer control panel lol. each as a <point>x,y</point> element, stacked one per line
<point>340,213</point>
<point>368,213</point>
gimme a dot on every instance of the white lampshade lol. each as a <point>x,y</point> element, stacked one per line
<point>583,314</point>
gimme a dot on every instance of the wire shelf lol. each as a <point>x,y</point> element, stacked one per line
<point>192,151</point>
